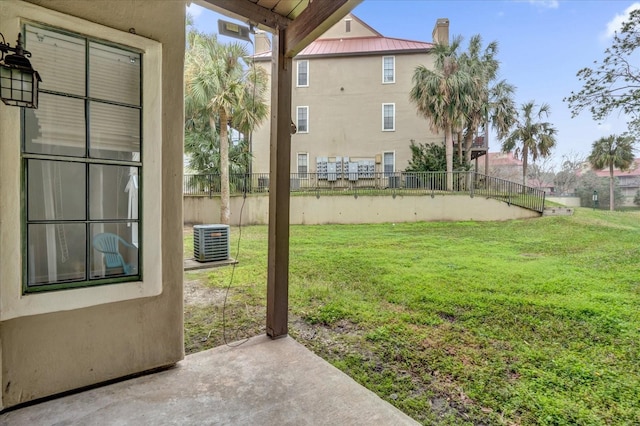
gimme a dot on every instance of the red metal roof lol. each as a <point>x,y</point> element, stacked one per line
<point>357,46</point>
<point>362,45</point>
<point>634,170</point>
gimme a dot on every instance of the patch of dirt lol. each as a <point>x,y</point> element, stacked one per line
<point>197,294</point>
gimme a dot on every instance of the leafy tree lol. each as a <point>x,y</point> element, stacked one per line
<point>431,158</point>
<point>530,138</point>
<point>612,152</point>
<point>566,179</point>
<point>613,84</point>
<point>442,95</point>
<point>542,172</point>
<point>222,91</point>
<point>589,182</point>
<point>636,199</point>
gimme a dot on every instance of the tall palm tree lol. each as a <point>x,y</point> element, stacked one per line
<point>482,67</point>
<point>612,152</point>
<point>493,103</point>
<point>221,86</point>
<point>442,95</point>
<point>531,138</point>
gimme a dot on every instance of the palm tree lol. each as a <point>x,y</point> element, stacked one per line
<point>442,95</point>
<point>482,68</point>
<point>612,152</point>
<point>223,90</point>
<point>530,137</point>
<point>502,108</point>
<point>492,101</point>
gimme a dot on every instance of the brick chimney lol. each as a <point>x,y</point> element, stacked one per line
<point>441,31</point>
<point>263,44</point>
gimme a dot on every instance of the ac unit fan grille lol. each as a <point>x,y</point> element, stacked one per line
<point>211,243</point>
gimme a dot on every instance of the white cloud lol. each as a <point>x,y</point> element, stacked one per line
<point>616,23</point>
<point>194,10</point>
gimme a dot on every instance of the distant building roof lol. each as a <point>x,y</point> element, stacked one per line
<point>363,46</point>
<point>503,159</point>
<point>634,171</point>
<point>372,44</point>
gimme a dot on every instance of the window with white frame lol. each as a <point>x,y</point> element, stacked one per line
<point>303,73</point>
<point>302,114</point>
<point>303,165</point>
<point>388,117</point>
<point>388,69</point>
<point>347,27</point>
<point>389,163</point>
<point>81,160</point>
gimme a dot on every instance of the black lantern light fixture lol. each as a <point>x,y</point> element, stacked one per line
<point>18,80</point>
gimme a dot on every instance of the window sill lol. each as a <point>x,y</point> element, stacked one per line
<point>70,299</point>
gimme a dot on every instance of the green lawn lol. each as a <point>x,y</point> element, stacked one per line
<point>522,322</point>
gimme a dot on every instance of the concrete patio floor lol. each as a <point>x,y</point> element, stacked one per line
<point>261,382</point>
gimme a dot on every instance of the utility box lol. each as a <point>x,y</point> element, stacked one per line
<point>211,243</point>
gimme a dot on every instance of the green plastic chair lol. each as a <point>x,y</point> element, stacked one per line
<point>109,245</point>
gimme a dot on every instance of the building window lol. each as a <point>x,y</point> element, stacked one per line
<point>303,119</point>
<point>389,163</point>
<point>81,163</point>
<point>303,74</point>
<point>388,117</point>
<point>388,69</point>
<point>347,27</point>
<point>303,165</point>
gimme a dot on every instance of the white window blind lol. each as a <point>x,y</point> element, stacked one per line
<point>303,119</point>
<point>303,73</point>
<point>388,69</point>
<point>388,117</point>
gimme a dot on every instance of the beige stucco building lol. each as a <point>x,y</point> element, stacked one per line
<point>350,103</point>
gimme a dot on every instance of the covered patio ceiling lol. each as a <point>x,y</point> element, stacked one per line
<point>304,20</point>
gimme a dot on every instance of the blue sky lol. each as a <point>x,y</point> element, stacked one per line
<point>543,44</point>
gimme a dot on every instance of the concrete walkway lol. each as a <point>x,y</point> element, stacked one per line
<point>262,382</point>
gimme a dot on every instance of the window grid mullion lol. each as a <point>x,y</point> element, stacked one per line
<point>87,161</point>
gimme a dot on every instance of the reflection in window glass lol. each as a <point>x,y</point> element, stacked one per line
<point>55,190</point>
<point>56,253</point>
<point>113,192</point>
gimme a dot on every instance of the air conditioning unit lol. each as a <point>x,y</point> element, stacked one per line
<point>211,243</point>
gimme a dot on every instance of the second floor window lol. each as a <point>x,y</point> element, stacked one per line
<point>388,117</point>
<point>302,114</point>
<point>388,69</point>
<point>303,74</point>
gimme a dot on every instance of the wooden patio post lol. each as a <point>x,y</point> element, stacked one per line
<point>279,183</point>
